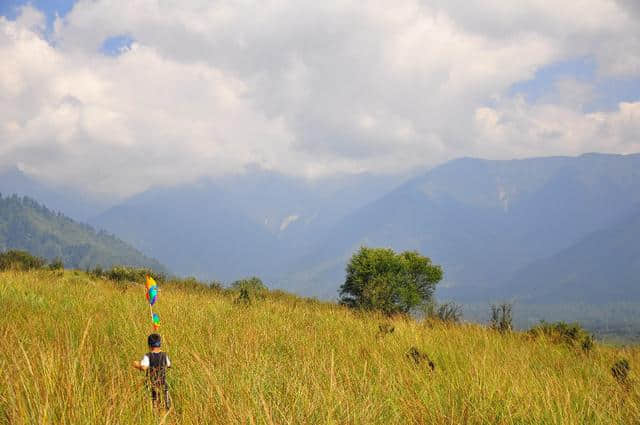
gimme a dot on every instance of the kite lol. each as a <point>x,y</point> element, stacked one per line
<point>152,290</point>
<point>152,297</point>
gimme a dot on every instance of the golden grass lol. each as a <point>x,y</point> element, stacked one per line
<point>67,343</point>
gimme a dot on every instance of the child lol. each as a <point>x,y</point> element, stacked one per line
<point>155,363</point>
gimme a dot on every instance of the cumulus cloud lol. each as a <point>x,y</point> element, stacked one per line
<point>305,88</point>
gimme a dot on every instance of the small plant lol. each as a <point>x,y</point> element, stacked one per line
<point>56,264</point>
<point>216,286</point>
<point>419,358</point>
<point>243,297</point>
<point>131,274</point>
<point>385,329</point>
<point>587,344</point>
<point>620,371</point>
<point>501,317</point>
<point>570,334</point>
<point>449,312</point>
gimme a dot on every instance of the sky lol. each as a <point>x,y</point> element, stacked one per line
<point>113,97</point>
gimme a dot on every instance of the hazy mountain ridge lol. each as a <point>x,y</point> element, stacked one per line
<point>603,266</point>
<point>71,203</point>
<point>236,226</point>
<point>483,220</point>
<point>27,225</point>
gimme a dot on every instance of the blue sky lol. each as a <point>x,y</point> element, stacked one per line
<point>50,8</point>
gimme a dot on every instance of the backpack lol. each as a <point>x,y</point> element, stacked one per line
<point>157,369</point>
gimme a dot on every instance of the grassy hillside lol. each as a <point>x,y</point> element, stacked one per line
<point>27,225</point>
<point>67,343</point>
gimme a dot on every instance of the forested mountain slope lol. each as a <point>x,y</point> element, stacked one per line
<point>27,225</point>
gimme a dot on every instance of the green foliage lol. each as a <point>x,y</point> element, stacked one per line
<point>243,297</point>
<point>128,274</point>
<point>253,285</point>
<point>20,260</point>
<point>502,317</point>
<point>380,279</point>
<point>29,226</point>
<point>571,334</point>
<point>56,264</point>
<point>587,343</point>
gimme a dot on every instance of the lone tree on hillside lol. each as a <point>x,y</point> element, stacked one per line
<point>380,279</point>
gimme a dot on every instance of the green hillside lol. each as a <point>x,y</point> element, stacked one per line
<point>27,225</point>
<point>68,342</point>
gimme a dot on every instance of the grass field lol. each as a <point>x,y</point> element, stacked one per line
<point>67,342</point>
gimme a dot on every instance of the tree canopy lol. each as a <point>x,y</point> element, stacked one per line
<point>380,279</point>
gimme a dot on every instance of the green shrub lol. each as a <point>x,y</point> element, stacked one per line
<point>187,283</point>
<point>243,297</point>
<point>571,334</point>
<point>20,260</point>
<point>56,264</point>
<point>131,274</point>
<point>252,285</point>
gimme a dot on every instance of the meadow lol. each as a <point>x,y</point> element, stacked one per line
<point>67,341</point>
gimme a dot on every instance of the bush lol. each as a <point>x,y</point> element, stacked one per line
<point>571,334</point>
<point>449,312</point>
<point>20,260</point>
<point>131,274</point>
<point>56,264</point>
<point>252,285</point>
<point>187,283</point>
<point>620,371</point>
<point>216,286</point>
<point>501,317</point>
<point>243,297</point>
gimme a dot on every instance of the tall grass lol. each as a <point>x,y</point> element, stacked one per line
<point>67,342</point>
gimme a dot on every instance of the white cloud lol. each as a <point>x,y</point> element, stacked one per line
<point>307,88</point>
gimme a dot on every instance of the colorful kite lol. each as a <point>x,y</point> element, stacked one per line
<point>152,296</point>
<point>152,290</point>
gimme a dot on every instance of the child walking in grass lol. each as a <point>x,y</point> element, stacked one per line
<point>155,363</point>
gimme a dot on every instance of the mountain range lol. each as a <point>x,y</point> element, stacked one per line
<point>551,229</point>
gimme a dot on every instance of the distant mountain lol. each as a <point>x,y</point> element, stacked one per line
<point>194,231</point>
<point>482,220</point>
<point>27,225</point>
<point>603,266</point>
<point>70,203</point>
<point>237,226</point>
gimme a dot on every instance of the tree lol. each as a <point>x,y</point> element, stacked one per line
<point>380,279</point>
<point>252,285</point>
